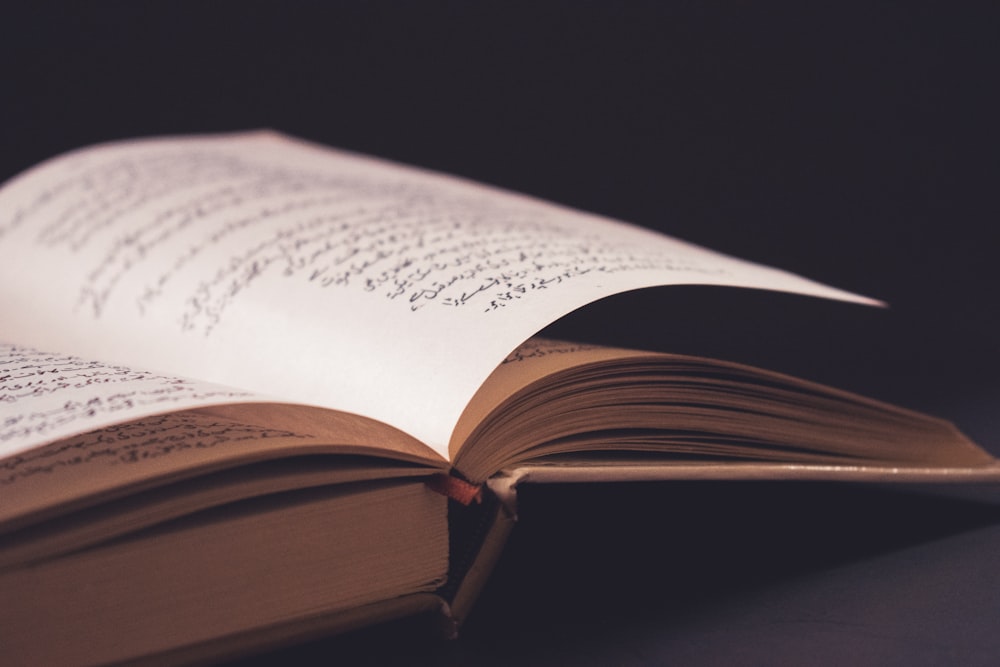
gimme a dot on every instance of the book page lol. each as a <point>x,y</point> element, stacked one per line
<point>322,277</point>
<point>72,429</point>
<point>45,397</point>
<point>554,401</point>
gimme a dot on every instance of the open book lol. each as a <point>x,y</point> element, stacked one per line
<point>243,377</point>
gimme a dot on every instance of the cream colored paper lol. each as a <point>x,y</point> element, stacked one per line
<point>261,262</point>
<point>46,396</point>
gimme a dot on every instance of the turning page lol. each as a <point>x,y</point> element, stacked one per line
<point>265,263</point>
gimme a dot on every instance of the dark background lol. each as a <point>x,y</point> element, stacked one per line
<point>855,143</point>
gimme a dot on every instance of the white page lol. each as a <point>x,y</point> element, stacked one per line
<point>45,397</point>
<point>261,262</point>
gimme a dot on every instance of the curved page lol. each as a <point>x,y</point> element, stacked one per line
<point>265,263</point>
